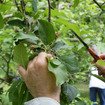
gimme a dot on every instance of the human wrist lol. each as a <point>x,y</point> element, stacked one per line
<point>55,94</point>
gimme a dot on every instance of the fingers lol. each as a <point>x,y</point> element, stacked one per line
<point>50,56</point>
<point>99,72</point>
<point>97,65</point>
<point>39,60</point>
<point>102,56</point>
<point>104,75</point>
<point>22,72</point>
<point>42,57</point>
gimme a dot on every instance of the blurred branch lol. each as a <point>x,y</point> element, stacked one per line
<point>17,6</point>
<point>100,17</point>
<point>4,59</point>
<point>57,4</point>
<point>100,6</point>
<point>103,4</point>
<point>74,39</point>
<point>23,6</point>
<point>2,79</point>
<point>50,7</point>
<point>1,1</point>
<point>8,62</point>
<point>76,52</point>
<point>3,69</point>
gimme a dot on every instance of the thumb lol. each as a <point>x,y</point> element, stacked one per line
<point>22,72</point>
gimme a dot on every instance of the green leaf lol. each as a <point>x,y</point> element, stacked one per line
<point>34,5</point>
<point>101,46</point>
<point>58,45</point>
<point>13,92</point>
<point>80,46</point>
<point>76,2</point>
<point>5,7</point>
<point>80,103</point>
<point>31,36</point>
<point>99,77</point>
<point>103,7</point>
<point>18,93</point>
<point>56,13</point>
<point>20,55</point>
<point>1,22</point>
<point>101,63</point>
<point>69,26</point>
<point>58,70</point>
<point>56,62</point>
<point>46,32</point>
<point>16,22</point>
<point>70,91</point>
<point>27,41</point>
<point>5,99</point>
<point>70,62</point>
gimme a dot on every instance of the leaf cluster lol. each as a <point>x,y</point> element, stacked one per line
<point>25,32</point>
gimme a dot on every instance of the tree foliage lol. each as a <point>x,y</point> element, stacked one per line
<point>28,27</point>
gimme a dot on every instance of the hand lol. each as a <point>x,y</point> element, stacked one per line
<point>101,69</point>
<point>39,80</point>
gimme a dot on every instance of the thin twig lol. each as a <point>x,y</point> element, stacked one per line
<point>74,39</point>
<point>98,4</point>
<point>102,4</point>
<point>23,6</point>
<point>50,7</point>
<point>100,17</point>
<point>2,79</point>
<point>49,17</point>
<point>4,59</point>
<point>3,69</point>
<point>9,62</point>
<point>17,6</point>
<point>1,1</point>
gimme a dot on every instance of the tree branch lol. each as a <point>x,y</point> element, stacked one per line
<point>4,59</point>
<point>2,79</point>
<point>8,62</point>
<point>50,7</point>
<point>103,4</point>
<point>23,6</point>
<point>2,69</point>
<point>98,4</point>
<point>100,17</point>
<point>17,6</point>
<point>74,39</point>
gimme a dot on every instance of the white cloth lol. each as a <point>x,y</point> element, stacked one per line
<point>95,82</point>
<point>42,101</point>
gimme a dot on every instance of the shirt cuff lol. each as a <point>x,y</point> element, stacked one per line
<point>42,101</point>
